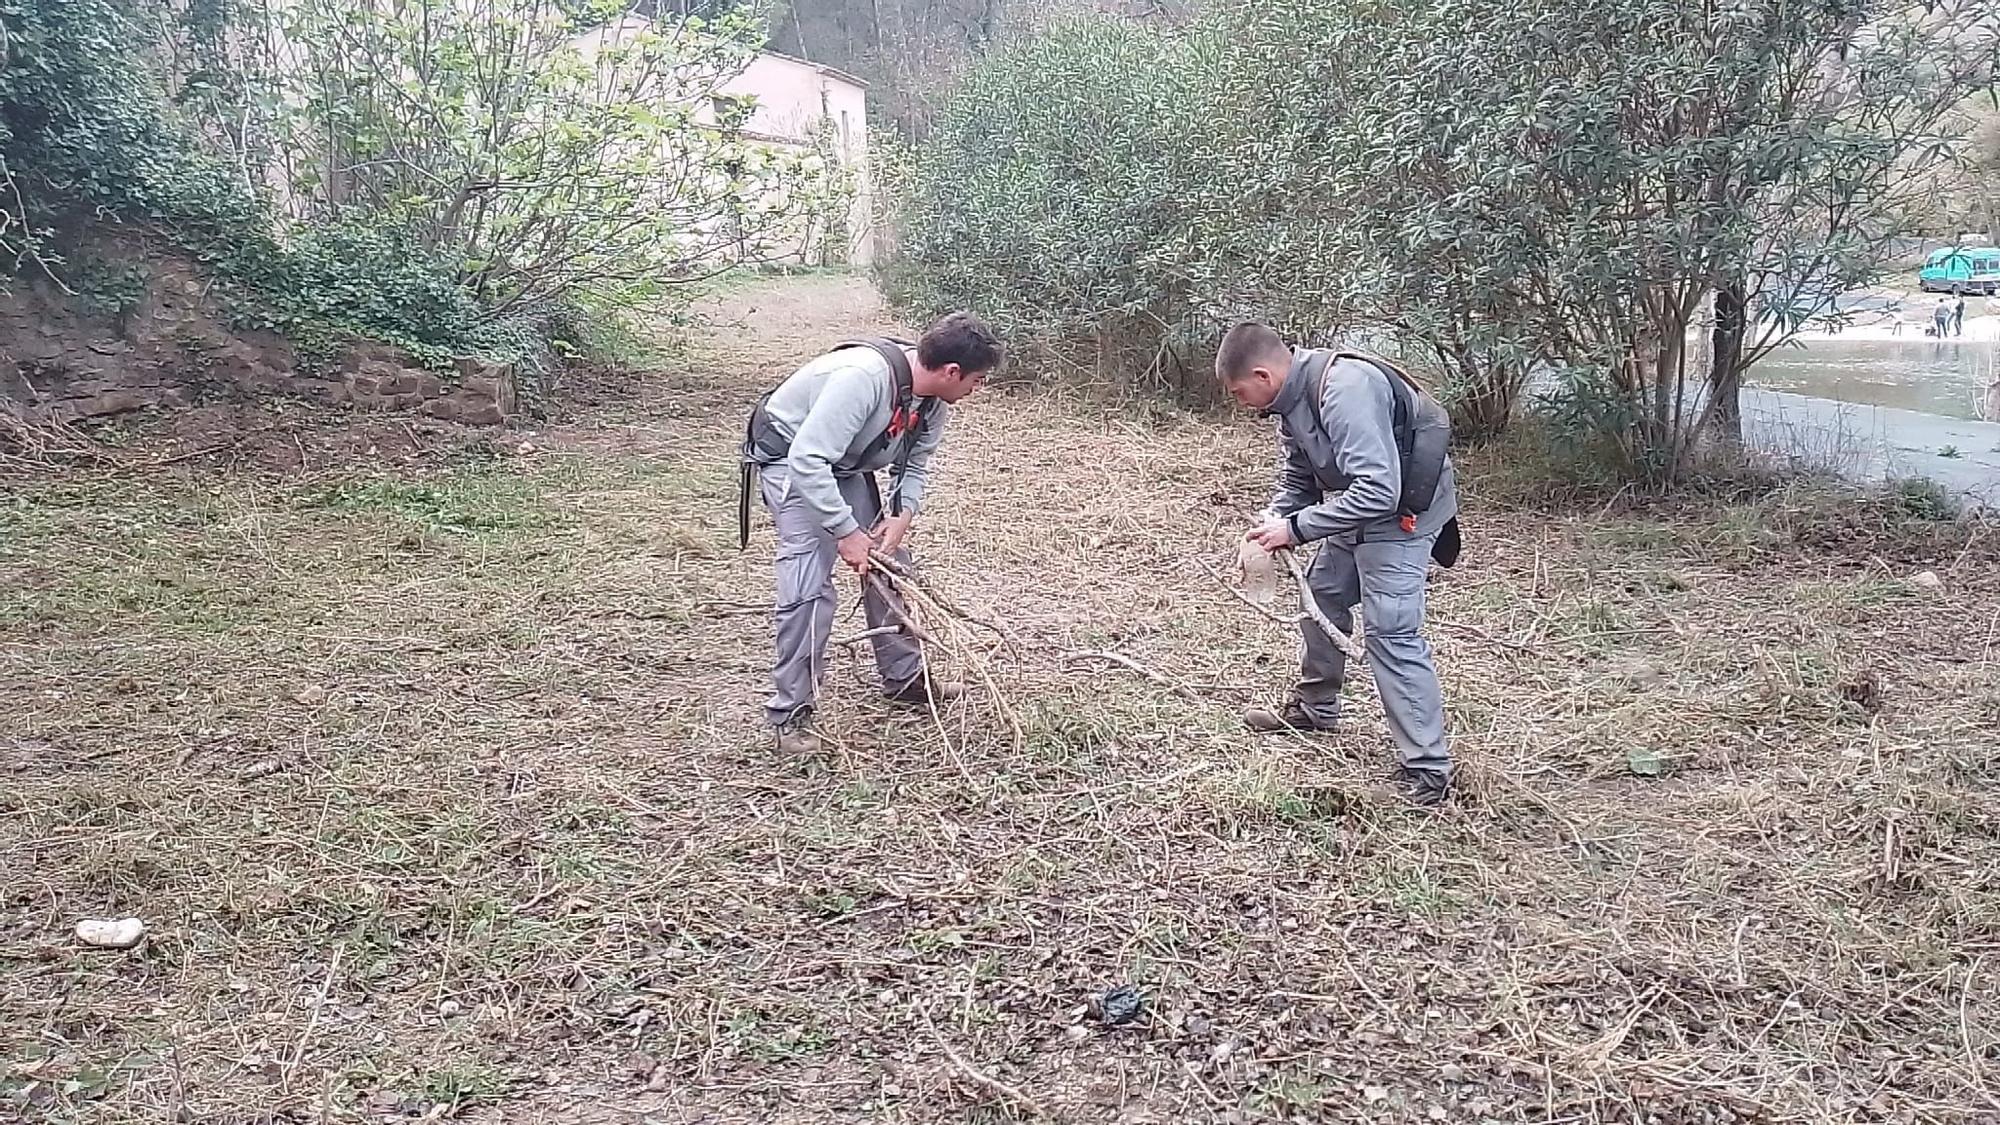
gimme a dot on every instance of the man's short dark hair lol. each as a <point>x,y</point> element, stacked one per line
<point>960,338</point>
<point>1245,346</point>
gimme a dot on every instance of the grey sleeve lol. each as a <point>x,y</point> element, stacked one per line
<point>1359,418</point>
<point>908,488</point>
<point>845,404</point>
<point>1298,486</point>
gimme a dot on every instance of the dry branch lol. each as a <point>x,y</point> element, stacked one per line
<point>906,578</point>
<point>868,634</point>
<point>1347,645</point>
<point>982,1079</point>
<point>1123,661</point>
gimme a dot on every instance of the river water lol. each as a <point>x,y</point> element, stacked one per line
<point>1912,373</point>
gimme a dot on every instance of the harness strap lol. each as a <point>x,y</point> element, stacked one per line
<point>1420,450</point>
<point>909,418</point>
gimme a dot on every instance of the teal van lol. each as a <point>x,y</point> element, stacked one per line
<point>1961,270</point>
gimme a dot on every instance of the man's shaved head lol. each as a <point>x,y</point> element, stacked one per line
<point>1248,346</point>
<point>1253,363</point>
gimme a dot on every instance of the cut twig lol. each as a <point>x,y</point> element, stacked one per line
<point>982,1079</point>
<point>903,619</point>
<point>1354,651</point>
<point>868,634</point>
<point>1124,661</point>
<point>906,578</point>
<point>889,571</point>
<point>1222,581</point>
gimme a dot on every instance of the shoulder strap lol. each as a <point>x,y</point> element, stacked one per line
<point>761,445</point>
<point>1422,428</point>
<point>1317,361</point>
<point>892,352</point>
<point>909,416</point>
<point>1402,389</point>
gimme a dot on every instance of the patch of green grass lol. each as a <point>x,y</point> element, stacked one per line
<point>932,942</point>
<point>472,501</point>
<point>1868,591</point>
<point>1737,530</point>
<point>1920,498</point>
<point>860,795</point>
<point>1284,1095</point>
<point>1413,888</point>
<point>1066,733</point>
<point>463,1083</point>
<point>1316,812</point>
<point>1632,535</point>
<point>1591,619</point>
<point>833,904</point>
<point>175,598</point>
<point>775,1037</point>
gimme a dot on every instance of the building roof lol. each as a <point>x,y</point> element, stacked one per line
<point>829,71</point>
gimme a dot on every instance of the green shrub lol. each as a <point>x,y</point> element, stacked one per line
<point>1056,194</point>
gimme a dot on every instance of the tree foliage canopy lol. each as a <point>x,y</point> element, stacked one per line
<point>1499,187</point>
<point>449,176</point>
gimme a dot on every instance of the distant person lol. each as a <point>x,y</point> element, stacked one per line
<point>814,446</point>
<point>1366,475</point>
<point>1958,316</point>
<point>1941,317</point>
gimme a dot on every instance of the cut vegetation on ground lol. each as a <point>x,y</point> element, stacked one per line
<point>441,787</point>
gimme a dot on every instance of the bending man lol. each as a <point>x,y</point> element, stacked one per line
<point>1365,474</point>
<point>814,446</point>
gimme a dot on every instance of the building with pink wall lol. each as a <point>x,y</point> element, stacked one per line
<point>792,97</point>
<point>790,100</point>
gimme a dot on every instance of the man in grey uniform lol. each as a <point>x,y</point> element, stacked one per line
<point>814,446</point>
<point>1359,440</point>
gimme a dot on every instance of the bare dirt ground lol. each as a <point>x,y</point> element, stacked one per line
<point>440,783</point>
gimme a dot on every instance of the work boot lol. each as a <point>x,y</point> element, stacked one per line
<point>798,737</point>
<point>925,691</point>
<point>1426,789</point>
<point>1292,717</point>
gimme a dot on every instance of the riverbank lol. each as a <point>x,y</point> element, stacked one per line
<point>1870,444</point>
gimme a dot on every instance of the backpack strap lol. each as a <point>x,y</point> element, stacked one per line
<point>909,416</point>
<point>1422,429</point>
<point>1423,433</point>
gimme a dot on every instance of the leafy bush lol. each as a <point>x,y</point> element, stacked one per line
<point>461,179</point>
<point>85,131</point>
<point>1491,187</point>
<point>1056,192</point>
<point>549,149</point>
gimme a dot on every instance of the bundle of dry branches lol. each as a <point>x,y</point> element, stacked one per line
<point>26,442</point>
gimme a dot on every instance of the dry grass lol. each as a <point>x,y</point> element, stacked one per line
<point>444,793</point>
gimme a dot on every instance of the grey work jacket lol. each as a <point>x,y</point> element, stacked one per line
<point>1341,474</point>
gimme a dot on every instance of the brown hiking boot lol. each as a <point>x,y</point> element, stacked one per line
<point>925,691</point>
<point>1292,717</point>
<point>1426,789</point>
<point>799,737</point>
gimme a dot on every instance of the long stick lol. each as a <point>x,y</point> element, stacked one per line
<point>867,634</point>
<point>1311,604</point>
<point>895,610</point>
<point>985,1081</point>
<point>905,578</point>
<point>899,576</point>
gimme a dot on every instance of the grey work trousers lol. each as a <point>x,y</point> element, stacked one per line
<point>806,601</point>
<point>1387,578</point>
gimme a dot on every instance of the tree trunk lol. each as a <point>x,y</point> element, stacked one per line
<point>1486,405</point>
<point>1725,374</point>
